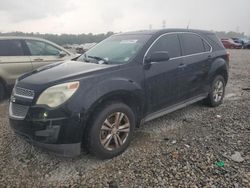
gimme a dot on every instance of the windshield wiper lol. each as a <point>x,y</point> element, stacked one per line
<point>104,61</point>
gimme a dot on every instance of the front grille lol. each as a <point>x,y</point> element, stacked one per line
<point>17,111</point>
<point>25,93</point>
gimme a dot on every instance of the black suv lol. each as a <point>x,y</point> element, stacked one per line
<point>127,79</point>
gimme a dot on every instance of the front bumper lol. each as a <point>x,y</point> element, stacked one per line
<point>65,150</point>
<point>59,131</point>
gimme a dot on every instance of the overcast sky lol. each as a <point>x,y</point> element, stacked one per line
<point>98,16</point>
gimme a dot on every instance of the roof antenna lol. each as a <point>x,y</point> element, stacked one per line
<point>188,24</point>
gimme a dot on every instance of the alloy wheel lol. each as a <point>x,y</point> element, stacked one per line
<point>218,91</point>
<point>114,131</point>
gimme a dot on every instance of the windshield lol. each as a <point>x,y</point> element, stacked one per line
<point>118,49</point>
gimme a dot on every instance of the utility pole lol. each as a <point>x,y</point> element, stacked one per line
<point>163,24</point>
<point>150,26</point>
<point>188,24</point>
<point>237,29</point>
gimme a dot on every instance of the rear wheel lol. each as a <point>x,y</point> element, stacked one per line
<point>216,95</point>
<point>111,131</point>
<point>2,91</point>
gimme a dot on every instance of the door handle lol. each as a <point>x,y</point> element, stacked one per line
<point>38,59</point>
<point>182,65</point>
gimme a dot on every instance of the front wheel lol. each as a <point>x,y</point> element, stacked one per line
<point>217,92</point>
<point>111,131</point>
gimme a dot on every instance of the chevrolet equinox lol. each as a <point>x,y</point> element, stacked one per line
<point>124,81</point>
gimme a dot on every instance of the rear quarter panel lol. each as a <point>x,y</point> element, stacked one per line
<point>218,65</point>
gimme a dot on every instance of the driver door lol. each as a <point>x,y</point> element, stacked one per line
<point>162,78</point>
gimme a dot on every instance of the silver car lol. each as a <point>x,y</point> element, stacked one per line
<point>19,55</point>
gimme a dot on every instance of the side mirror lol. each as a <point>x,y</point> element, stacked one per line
<point>62,54</point>
<point>158,56</point>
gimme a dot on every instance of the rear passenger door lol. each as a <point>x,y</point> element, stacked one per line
<point>161,79</point>
<point>196,58</point>
<point>14,61</point>
<point>43,53</point>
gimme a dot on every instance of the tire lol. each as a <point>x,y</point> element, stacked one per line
<point>217,92</point>
<point>107,137</point>
<point>2,91</point>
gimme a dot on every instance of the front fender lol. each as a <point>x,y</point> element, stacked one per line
<point>112,86</point>
<point>84,101</point>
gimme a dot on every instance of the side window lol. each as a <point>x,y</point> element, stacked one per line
<point>217,44</point>
<point>169,43</point>
<point>11,48</point>
<point>191,44</point>
<point>41,48</point>
<point>206,46</point>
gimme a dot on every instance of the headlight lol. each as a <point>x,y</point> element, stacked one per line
<point>58,94</point>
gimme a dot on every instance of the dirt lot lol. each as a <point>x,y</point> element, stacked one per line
<point>193,147</point>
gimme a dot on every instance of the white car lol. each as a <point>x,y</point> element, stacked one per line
<point>19,55</point>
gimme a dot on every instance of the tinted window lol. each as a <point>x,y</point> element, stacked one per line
<point>11,48</point>
<point>169,43</point>
<point>215,41</point>
<point>206,46</point>
<point>191,44</point>
<point>41,48</point>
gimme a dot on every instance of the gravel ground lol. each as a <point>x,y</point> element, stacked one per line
<point>193,147</point>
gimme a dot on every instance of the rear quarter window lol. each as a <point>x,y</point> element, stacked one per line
<point>215,41</point>
<point>207,47</point>
<point>11,48</point>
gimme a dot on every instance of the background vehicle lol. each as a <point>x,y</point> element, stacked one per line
<point>245,42</point>
<point>125,80</point>
<point>238,40</point>
<point>19,55</point>
<point>229,43</point>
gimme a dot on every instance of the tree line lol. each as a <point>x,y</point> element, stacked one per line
<point>230,34</point>
<point>64,38</point>
<point>90,38</point>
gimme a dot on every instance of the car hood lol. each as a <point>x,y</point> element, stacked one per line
<point>61,71</point>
